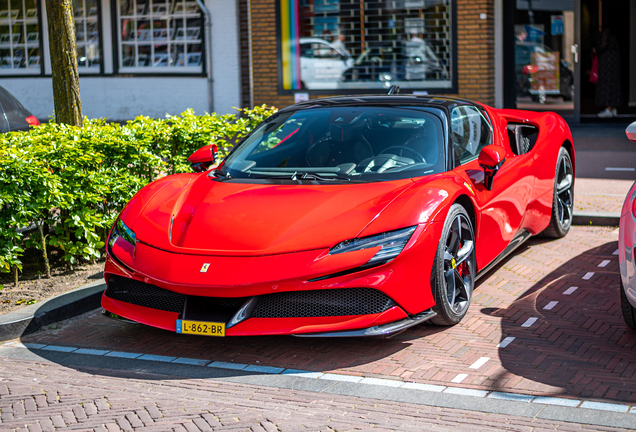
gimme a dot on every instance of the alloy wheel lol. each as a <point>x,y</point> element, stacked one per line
<point>564,184</point>
<point>459,265</point>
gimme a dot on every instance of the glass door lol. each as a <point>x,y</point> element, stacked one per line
<point>545,56</point>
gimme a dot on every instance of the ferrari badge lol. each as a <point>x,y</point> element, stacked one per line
<point>205,267</point>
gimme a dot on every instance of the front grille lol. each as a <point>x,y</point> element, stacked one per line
<point>143,294</point>
<point>317,303</point>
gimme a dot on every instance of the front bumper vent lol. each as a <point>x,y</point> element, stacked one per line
<point>319,303</point>
<point>297,304</point>
<point>143,294</point>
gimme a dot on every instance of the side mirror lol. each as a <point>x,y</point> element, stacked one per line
<point>491,158</point>
<point>631,132</point>
<point>201,159</point>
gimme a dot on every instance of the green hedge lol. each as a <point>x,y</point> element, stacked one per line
<point>70,183</point>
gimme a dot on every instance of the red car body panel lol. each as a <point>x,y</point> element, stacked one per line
<point>261,239</point>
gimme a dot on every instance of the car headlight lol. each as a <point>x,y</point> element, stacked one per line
<point>122,230</point>
<point>391,244</point>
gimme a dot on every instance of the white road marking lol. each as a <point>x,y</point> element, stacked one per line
<point>504,343</point>
<point>615,252</point>
<point>529,322</point>
<point>570,290</point>
<point>551,305</point>
<point>588,275</point>
<point>459,378</point>
<point>479,363</point>
<point>619,169</point>
<point>604,263</point>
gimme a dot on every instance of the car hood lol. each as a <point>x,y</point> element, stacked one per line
<point>197,214</point>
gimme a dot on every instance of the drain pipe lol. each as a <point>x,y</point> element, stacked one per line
<point>208,33</point>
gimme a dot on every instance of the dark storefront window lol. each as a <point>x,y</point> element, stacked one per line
<point>19,37</point>
<point>350,45</point>
<point>160,36</point>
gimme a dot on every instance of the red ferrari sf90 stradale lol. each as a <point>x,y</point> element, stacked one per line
<point>344,216</point>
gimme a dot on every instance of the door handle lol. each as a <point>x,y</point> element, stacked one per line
<point>574,49</point>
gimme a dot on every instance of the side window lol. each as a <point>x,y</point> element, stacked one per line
<point>471,132</point>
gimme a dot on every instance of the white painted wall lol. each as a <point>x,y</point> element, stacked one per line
<point>226,67</point>
<point>123,98</point>
<point>117,98</point>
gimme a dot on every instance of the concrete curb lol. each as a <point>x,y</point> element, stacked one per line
<point>30,318</point>
<point>596,218</point>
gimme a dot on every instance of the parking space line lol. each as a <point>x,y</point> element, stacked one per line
<point>479,363</point>
<point>588,275</point>
<point>551,305</point>
<point>570,290</point>
<point>529,322</point>
<point>619,169</point>
<point>504,343</point>
<point>604,263</point>
<point>459,378</point>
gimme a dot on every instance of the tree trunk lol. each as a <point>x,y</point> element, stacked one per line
<point>66,90</point>
<point>47,267</point>
<point>16,280</point>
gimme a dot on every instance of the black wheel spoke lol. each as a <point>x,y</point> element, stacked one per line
<point>461,288</point>
<point>450,286</point>
<point>453,242</point>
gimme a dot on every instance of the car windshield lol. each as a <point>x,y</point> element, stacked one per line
<point>341,144</point>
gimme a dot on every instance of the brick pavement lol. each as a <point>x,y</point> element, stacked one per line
<point>578,347</point>
<point>41,396</point>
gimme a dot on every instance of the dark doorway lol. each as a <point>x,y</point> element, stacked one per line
<point>615,15</point>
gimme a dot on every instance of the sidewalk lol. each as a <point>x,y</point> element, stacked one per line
<point>605,171</point>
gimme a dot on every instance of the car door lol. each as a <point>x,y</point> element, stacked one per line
<point>500,211</point>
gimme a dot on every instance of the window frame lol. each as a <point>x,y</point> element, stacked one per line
<point>454,159</point>
<point>453,68</point>
<point>118,44</point>
<point>26,72</point>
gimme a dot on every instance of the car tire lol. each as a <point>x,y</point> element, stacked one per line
<point>563,199</point>
<point>629,312</point>
<point>453,274</point>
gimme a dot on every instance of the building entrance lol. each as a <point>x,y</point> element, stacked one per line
<point>549,49</point>
<point>545,55</point>
<point>608,31</point>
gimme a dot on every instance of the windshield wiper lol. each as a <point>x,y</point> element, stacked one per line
<point>305,176</point>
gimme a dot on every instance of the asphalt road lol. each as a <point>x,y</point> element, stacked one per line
<point>604,152</point>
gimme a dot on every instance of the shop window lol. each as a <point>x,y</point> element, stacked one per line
<point>160,36</point>
<point>366,44</point>
<point>19,37</point>
<point>87,29</point>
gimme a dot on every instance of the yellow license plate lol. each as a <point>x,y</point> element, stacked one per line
<point>201,328</point>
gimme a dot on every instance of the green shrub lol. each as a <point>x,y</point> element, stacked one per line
<point>70,183</point>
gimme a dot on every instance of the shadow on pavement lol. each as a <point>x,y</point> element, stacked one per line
<point>581,343</point>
